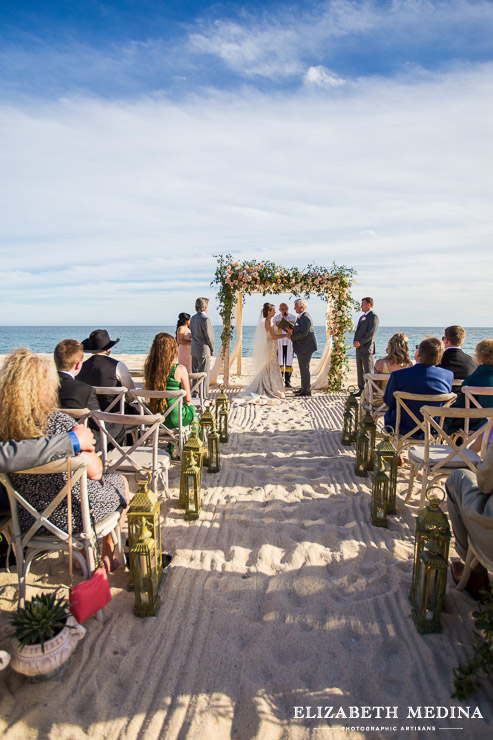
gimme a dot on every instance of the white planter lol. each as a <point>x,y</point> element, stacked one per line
<point>4,659</point>
<point>32,661</point>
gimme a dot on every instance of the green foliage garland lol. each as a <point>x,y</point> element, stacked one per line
<point>268,278</point>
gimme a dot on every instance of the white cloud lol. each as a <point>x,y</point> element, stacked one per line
<point>119,207</point>
<point>321,77</point>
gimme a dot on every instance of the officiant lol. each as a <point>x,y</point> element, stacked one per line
<point>285,345</point>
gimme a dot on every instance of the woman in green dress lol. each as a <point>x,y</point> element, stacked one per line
<point>162,372</point>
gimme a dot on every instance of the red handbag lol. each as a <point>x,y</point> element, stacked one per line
<point>90,596</point>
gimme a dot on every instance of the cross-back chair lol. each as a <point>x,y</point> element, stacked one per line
<point>372,396</point>
<point>118,402</point>
<point>436,461</point>
<point>143,453</point>
<point>407,439</point>
<point>27,545</point>
<point>471,392</point>
<point>79,415</point>
<point>174,400</point>
<point>197,381</point>
<point>473,558</point>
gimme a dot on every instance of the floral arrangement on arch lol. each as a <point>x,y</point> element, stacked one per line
<point>248,277</point>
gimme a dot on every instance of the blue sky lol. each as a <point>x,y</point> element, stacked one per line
<point>139,138</point>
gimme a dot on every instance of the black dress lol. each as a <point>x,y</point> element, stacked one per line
<point>105,496</point>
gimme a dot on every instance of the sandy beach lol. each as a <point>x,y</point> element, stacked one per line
<point>281,595</point>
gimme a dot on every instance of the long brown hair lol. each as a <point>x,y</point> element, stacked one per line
<point>28,395</point>
<point>158,364</point>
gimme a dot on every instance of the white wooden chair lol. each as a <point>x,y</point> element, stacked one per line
<point>118,402</point>
<point>29,544</point>
<point>407,439</point>
<point>197,386</point>
<point>175,401</point>
<point>471,392</point>
<point>372,396</point>
<point>473,558</point>
<point>436,461</point>
<point>143,453</point>
<point>80,415</point>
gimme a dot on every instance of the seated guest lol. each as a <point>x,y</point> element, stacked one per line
<point>397,356</point>
<point>162,372</point>
<point>73,394</point>
<point>102,370</point>
<point>184,341</point>
<point>422,378</point>
<point>28,399</point>
<point>470,507</point>
<point>481,377</point>
<point>454,358</point>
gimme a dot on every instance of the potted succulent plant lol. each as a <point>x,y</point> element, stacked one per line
<point>45,636</point>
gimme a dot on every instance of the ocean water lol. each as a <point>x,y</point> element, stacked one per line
<point>138,339</point>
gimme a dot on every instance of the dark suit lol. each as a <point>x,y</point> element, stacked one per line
<point>456,360</point>
<point>73,394</point>
<point>365,353</point>
<point>304,345</point>
<point>420,378</point>
<point>202,345</point>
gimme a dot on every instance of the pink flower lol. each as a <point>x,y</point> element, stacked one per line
<point>237,264</point>
<point>279,280</point>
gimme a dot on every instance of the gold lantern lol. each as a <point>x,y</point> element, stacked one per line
<point>214,462</point>
<point>195,447</point>
<point>368,424</point>
<point>222,405</point>
<point>347,420</point>
<point>431,581</point>
<point>353,406</point>
<point>386,452</point>
<point>145,505</point>
<point>361,453</point>
<point>431,524</point>
<point>206,423</point>
<point>221,401</point>
<point>145,572</point>
<point>191,484</point>
<point>379,498</point>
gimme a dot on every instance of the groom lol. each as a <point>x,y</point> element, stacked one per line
<point>304,345</point>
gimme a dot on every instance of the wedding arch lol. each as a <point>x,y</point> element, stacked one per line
<point>236,279</point>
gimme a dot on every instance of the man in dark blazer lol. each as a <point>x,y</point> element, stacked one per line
<point>364,341</point>
<point>304,345</point>
<point>202,345</point>
<point>72,394</point>
<point>454,358</point>
<point>423,378</point>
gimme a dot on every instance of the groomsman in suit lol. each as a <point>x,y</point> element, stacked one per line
<point>364,341</point>
<point>202,346</point>
<point>454,358</point>
<point>72,394</point>
<point>304,345</point>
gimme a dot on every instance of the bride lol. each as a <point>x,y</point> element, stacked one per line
<point>268,381</point>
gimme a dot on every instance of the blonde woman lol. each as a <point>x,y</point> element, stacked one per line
<point>397,355</point>
<point>28,399</point>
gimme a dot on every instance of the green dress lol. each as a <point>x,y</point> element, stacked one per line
<point>188,413</point>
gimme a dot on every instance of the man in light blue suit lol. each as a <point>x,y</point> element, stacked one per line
<point>423,378</point>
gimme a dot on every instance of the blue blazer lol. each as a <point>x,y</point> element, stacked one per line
<point>416,379</point>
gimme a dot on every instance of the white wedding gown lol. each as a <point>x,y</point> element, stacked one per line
<point>267,385</point>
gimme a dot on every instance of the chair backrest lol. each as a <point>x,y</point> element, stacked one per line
<point>373,392</point>
<point>402,407</point>
<point>197,381</point>
<point>471,392</point>
<point>80,415</point>
<point>78,469</point>
<point>119,397</point>
<point>434,421</point>
<point>149,431</point>
<point>174,401</point>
